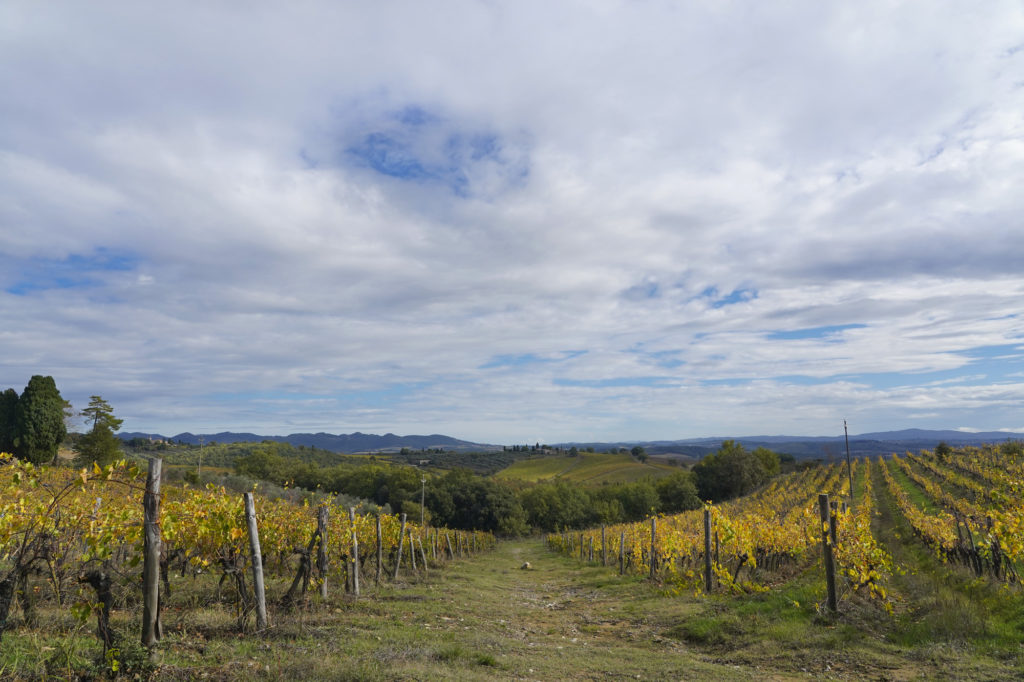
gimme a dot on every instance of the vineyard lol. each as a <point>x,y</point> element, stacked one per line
<point>925,551</point>
<point>75,543</point>
<point>965,507</point>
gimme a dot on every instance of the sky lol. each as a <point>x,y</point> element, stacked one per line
<point>517,221</point>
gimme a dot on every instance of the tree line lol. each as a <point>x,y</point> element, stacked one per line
<point>460,499</point>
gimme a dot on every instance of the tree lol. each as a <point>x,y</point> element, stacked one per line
<point>769,459</point>
<point>100,445</point>
<point>639,499</point>
<point>677,492</point>
<point>730,472</point>
<point>639,453</point>
<point>8,414</point>
<point>39,421</point>
<point>100,412</point>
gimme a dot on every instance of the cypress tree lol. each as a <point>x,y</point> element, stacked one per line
<point>8,413</point>
<point>39,421</point>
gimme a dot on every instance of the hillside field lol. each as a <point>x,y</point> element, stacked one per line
<point>587,468</point>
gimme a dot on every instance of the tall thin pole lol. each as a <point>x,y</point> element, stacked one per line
<point>257,561</point>
<point>152,542</point>
<point>849,466</point>
<point>423,495</point>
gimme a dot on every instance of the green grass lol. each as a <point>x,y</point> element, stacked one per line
<point>586,468</point>
<point>483,618</point>
<point>944,611</point>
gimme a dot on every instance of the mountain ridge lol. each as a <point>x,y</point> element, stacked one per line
<point>873,443</point>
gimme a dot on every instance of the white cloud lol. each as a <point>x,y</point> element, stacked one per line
<point>586,174</point>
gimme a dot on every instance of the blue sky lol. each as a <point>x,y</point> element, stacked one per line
<point>517,221</point>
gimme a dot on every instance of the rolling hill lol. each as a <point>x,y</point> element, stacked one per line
<point>587,468</point>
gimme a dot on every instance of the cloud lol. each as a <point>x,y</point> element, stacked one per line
<point>739,219</point>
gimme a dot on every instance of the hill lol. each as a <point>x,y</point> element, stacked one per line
<point>587,468</point>
<point>344,443</point>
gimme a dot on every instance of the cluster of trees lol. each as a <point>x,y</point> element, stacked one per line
<point>558,505</point>
<point>733,471</point>
<point>32,424</point>
<point>457,499</point>
<point>461,499</point>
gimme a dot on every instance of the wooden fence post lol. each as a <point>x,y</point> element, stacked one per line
<point>151,557</point>
<point>622,553</point>
<point>826,549</point>
<point>707,551</point>
<point>257,561</point>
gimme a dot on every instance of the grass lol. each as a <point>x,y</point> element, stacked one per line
<point>586,468</point>
<point>484,618</point>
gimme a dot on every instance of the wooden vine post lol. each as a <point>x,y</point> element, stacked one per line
<point>622,553</point>
<point>321,552</point>
<point>604,546</point>
<point>401,546</point>
<point>380,550</point>
<point>423,554</point>
<point>826,549</point>
<point>412,551</point>
<point>257,561</point>
<point>707,551</point>
<point>151,629</point>
<point>355,551</point>
<point>654,551</point>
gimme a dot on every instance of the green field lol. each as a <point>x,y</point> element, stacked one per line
<point>587,468</point>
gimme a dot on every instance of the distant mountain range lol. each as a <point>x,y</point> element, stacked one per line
<point>824,447</point>
<point>803,447</point>
<point>344,443</point>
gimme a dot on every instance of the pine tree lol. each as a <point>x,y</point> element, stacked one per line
<point>100,445</point>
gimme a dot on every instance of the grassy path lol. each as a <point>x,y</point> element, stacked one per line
<point>485,618</point>
<point>479,618</point>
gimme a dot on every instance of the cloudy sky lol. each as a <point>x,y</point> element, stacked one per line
<point>517,221</point>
